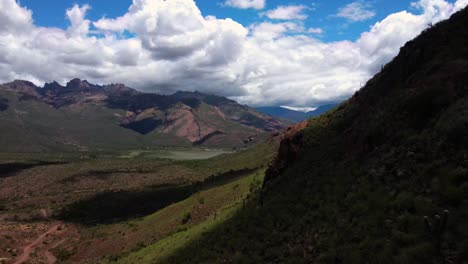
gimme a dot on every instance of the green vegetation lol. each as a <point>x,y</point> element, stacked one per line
<point>104,119</point>
<point>57,180</point>
<point>369,173</point>
<point>116,203</point>
<point>174,154</point>
<point>225,200</point>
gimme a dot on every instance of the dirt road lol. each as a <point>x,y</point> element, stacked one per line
<point>32,246</point>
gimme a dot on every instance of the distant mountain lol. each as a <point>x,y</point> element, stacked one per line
<point>295,116</point>
<point>84,116</point>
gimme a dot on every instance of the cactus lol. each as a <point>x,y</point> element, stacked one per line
<point>436,230</point>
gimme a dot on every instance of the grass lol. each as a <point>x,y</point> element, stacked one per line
<point>174,154</point>
<point>128,240</point>
<point>168,246</point>
<point>119,204</point>
<point>67,178</point>
<point>34,126</point>
<point>188,232</point>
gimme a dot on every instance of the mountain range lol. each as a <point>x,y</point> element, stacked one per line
<point>83,116</point>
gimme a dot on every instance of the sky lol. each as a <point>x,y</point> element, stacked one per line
<point>299,53</point>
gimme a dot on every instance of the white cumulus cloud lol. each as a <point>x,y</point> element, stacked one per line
<point>165,46</point>
<point>315,31</point>
<point>245,4</point>
<point>356,11</point>
<point>13,17</point>
<point>76,16</point>
<point>287,12</point>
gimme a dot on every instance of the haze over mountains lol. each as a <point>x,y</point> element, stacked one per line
<point>82,115</point>
<point>293,115</point>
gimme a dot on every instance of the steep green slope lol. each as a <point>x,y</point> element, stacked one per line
<point>35,126</point>
<point>372,181</point>
<point>204,211</point>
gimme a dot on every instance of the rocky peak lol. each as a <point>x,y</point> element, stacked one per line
<point>53,86</point>
<point>23,87</point>
<point>21,84</point>
<point>119,89</point>
<point>78,84</point>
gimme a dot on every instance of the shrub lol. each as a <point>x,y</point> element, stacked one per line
<point>187,216</point>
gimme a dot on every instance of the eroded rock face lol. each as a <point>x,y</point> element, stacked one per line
<point>77,84</point>
<point>214,136</point>
<point>119,90</point>
<point>25,88</point>
<point>52,87</point>
<point>290,148</point>
<point>183,123</point>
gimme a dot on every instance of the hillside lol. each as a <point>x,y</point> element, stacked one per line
<point>84,116</point>
<point>80,207</point>
<point>381,179</point>
<point>292,115</point>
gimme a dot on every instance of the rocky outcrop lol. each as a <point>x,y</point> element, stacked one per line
<point>181,121</point>
<point>24,88</point>
<point>290,148</point>
<point>208,137</point>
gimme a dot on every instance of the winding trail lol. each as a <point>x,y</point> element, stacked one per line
<point>32,246</point>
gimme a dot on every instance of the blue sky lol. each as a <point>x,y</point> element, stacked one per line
<point>321,13</point>
<point>272,53</point>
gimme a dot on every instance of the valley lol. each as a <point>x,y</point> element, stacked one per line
<point>92,173</point>
<point>178,171</point>
<point>105,206</point>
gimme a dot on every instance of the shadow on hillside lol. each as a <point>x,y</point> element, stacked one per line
<point>10,169</point>
<point>3,104</point>
<point>118,206</point>
<point>144,126</point>
<point>111,207</point>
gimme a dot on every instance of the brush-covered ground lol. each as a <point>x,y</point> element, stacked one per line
<point>107,206</point>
